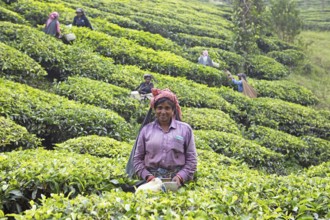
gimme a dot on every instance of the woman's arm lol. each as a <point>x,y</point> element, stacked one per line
<point>88,24</point>
<point>237,82</point>
<point>188,170</point>
<point>138,159</point>
<point>74,23</point>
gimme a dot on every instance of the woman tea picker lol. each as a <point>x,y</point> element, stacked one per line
<point>165,148</point>
<point>242,85</point>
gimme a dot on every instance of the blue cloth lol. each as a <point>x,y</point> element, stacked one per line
<point>239,83</point>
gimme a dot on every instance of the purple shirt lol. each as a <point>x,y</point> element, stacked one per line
<point>156,148</point>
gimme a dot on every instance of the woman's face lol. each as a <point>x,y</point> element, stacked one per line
<point>164,112</point>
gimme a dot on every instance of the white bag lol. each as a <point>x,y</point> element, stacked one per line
<point>69,37</point>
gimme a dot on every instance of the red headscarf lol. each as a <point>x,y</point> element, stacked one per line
<point>165,93</point>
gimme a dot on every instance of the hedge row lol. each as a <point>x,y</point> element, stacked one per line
<point>238,148</point>
<point>26,175</point>
<point>189,93</point>
<point>198,14</point>
<point>94,11</point>
<point>321,170</point>
<point>290,118</point>
<point>227,59</point>
<point>167,26</point>
<point>55,118</point>
<point>18,66</point>
<point>262,67</point>
<point>37,12</point>
<point>231,202</point>
<point>293,148</point>
<point>236,190</point>
<point>221,202</point>
<point>146,39</point>
<point>101,94</point>
<point>268,44</point>
<point>209,119</point>
<point>14,136</point>
<point>58,59</point>
<point>290,57</point>
<point>61,60</point>
<point>127,52</point>
<point>284,90</point>
<point>96,146</point>
<point>8,15</point>
<point>187,40</point>
<point>281,115</point>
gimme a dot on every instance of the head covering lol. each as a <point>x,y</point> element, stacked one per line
<point>79,10</point>
<point>165,93</point>
<point>52,16</point>
<point>242,75</point>
<point>147,75</point>
<point>205,53</point>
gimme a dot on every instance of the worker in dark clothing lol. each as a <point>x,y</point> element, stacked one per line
<point>80,20</point>
<point>146,86</point>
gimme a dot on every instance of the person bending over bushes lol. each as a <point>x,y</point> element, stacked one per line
<point>52,26</point>
<point>242,85</point>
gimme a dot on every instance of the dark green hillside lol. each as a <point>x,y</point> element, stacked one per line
<point>68,123</point>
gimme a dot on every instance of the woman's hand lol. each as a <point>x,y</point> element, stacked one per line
<point>178,180</point>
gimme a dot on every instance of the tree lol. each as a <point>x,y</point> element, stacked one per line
<point>249,21</point>
<point>285,19</point>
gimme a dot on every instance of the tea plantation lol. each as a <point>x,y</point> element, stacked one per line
<point>68,124</point>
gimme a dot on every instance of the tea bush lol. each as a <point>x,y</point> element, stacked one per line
<point>284,90</point>
<point>167,26</point>
<point>268,44</point>
<point>127,52</point>
<point>263,67</point>
<point>233,189</point>
<point>8,15</point>
<point>37,12</point>
<point>234,146</point>
<point>321,170</point>
<point>290,57</point>
<point>101,94</point>
<point>290,118</point>
<point>189,93</point>
<point>209,119</point>
<point>18,66</point>
<point>96,146</point>
<point>26,175</point>
<point>57,59</point>
<point>146,39</point>
<point>55,118</point>
<point>14,136</point>
<point>188,40</point>
<point>274,113</point>
<point>231,60</point>
<point>293,148</point>
<point>320,147</point>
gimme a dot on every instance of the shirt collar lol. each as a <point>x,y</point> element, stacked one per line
<point>172,125</point>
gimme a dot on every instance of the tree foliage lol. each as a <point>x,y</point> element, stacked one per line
<point>248,19</point>
<point>285,18</point>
